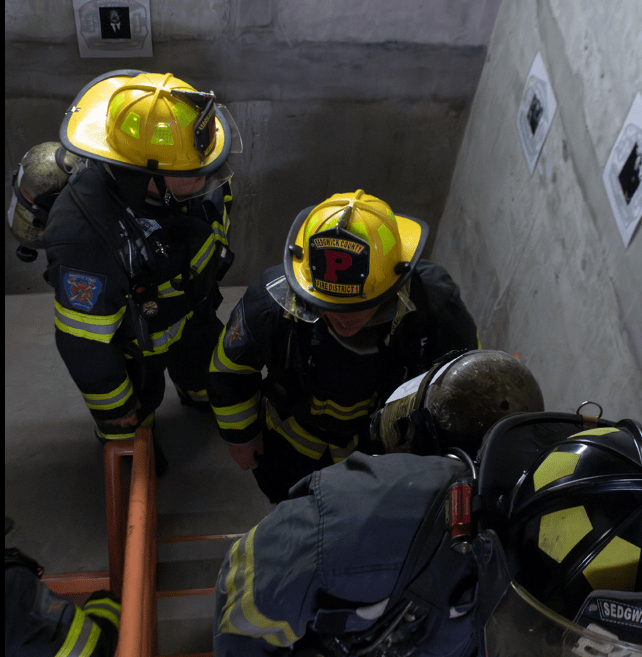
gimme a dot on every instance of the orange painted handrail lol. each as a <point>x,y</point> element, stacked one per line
<point>137,635</point>
<point>132,531</point>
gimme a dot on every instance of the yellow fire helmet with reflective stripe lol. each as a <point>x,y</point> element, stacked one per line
<point>150,122</point>
<point>565,503</point>
<point>351,253</point>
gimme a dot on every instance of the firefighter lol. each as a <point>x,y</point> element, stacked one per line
<point>39,623</point>
<point>531,550</point>
<point>137,242</point>
<point>353,312</point>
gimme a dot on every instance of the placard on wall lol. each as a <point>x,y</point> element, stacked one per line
<point>113,28</point>
<point>536,111</point>
<point>623,171</point>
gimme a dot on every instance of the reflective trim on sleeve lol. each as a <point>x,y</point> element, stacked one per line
<point>104,608</point>
<point>198,395</point>
<point>328,407</point>
<point>222,364</point>
<point>303,441</point>
<point>340,453</point>
<point>240,614</point>
<point>91,327</point>
<point>165,290</point>
<point>238,416</point>
<point>110,400</point>
<point>82,637</point>
<point>163,340</point>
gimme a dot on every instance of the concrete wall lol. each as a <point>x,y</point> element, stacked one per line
<point>329,96</point>
<point>539,257</point>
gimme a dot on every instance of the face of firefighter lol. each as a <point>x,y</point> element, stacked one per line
<point>348,324</point>
<point>179,187</point>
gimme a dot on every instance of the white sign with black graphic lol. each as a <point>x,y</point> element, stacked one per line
<point>113,28</point>
<point>623,171</point>
<point>536,111</point>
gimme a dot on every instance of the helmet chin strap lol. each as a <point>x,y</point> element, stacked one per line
<point>163,192</point>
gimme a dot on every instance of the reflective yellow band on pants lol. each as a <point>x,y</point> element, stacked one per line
<point>125,433</point>
<point>109,400</point>
<point>303,441</point>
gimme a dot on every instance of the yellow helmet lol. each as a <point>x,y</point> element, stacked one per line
<point>150,122</point>
<point>351,253</point>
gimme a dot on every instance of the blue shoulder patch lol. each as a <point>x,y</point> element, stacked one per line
<point>236,333</point>
<point>83,289</point>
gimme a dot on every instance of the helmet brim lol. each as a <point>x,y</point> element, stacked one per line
<point>83,129</point>
<point>414,236</point>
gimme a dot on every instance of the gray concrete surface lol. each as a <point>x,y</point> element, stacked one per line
<point>54,477</point>
<point>539,257</point>
<point>328,98</point>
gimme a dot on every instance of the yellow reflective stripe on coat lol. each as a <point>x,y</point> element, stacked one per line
<point>221,363</point>
<point>198,395</point>
<point>104,608</point>
<point>163,340</point>
<point>238,416</point>
<point>303,441</point>
<point>110,400</point>
<point>82,637</point>
<point>91,327</point>
<point>328,407</point>
<point>341,453</point>
<point>240,614</point>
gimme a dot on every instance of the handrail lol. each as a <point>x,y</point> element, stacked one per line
<point>137,637</point>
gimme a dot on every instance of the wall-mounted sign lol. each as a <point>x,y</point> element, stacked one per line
<point>623,172</point>
<point>536,111</point>
<point>113,28</point>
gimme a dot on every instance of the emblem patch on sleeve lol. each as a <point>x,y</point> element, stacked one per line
<point>236,333</point>
<point>83,289</point>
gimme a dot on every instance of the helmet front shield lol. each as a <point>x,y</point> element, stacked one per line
<point>522,625</point>
<point>282,293</point>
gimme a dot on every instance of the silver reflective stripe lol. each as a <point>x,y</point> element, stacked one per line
<point>237,618</point>
<point>80,642</point>
<point>99,401</point>
<point>87,327</point>
<point>308,445</point>
<point>108,610</point>
<point>201,259</point>
<point>340,453</point>
<point>328,407</point>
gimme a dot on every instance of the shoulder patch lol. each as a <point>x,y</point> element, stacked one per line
<point>236,334</point>
<point>83,289</point>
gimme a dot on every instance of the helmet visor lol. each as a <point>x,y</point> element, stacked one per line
<point>185,188</point>
<point>521,625</point>
<point>280,290</point>
<point>282,293</point>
